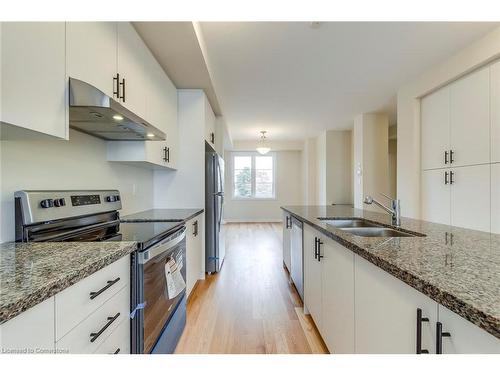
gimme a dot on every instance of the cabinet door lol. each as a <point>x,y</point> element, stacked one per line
<point>435,128</point>
<point>465,337</point>
<point>495,111</point>
<point>337,274</point>
<point>194,254</point>
<point>91,49</point>
<point>470,197</point>
<point>436,196</point>
<point>32,330</point>
<point>312,276</point>
<point>133,57</point>
<point>286,240</point>
<point>470,119</point>
<point>495,198</point>
<point>386,313</point>
<point>33,69</point>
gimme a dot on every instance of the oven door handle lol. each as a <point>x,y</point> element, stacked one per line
<point>156,250</point>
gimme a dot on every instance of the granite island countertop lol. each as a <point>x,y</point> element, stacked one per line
<point>458,268</point>
<point>33,272</point>
<point>166,215</point>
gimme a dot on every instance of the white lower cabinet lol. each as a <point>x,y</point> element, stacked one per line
<point>118,342</point>
<point>287,243</point>
<point>30,332</point>
<point>464,337</point>
<point>195,252</point>
<point>386,313</point>
<point>337,280</point>
<point>312,275</point>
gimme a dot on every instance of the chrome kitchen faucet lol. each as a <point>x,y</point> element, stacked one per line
<point>395,209</point>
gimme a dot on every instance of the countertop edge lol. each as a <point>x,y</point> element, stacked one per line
<point>12,310</point>
<point>196,213</point>
<point>455,304</point>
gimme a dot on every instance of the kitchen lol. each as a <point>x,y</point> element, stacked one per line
<point>142,193</point>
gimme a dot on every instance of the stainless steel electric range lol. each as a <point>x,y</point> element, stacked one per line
<point>157,313</point>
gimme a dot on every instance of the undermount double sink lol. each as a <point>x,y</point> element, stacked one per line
<point>364,228</point>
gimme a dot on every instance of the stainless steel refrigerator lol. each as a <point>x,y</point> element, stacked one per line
<point>214,210</point>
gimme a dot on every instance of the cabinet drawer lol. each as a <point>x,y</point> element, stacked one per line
<point>118,342</point>
<point>75,303</point>
<point>103,321</point>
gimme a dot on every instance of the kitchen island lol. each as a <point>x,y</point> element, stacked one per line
<point>457,268</point>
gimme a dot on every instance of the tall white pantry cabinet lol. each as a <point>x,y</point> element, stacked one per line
<point>460,132</point>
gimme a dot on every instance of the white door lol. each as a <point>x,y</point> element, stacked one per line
<point>33,69</point>
<point>386,313</point>
<point>495,111</point>
<point>495,198</point>
<point>436,196</point>
<point>470,197</point>
<point>337,273</point>
<point>465,337</point>
<point>91,49</point>
<point>470,119</point>
<point>133,56</point>
<point>312,276</point>
<point>435,128</point>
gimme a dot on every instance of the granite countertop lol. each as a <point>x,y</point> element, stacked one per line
<point>459,268</point>
<point>32,272</point>
<point>168,215</point>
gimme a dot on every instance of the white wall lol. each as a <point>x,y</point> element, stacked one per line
<point>393,165</point>
<point>371,154</point>
<point>288,191</point>
<point>321,169</point>
<point>477,54</point>
<point>309,172</point>
<point>338,167</point>
<point>79,163</point>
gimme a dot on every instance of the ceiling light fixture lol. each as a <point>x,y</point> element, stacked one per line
<point>150,135</point>
<point>263,148</point>
<point>117,117</point>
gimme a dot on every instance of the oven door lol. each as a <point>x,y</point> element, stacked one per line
<point>162,293</point>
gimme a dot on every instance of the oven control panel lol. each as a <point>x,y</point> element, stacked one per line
<point>38,206</point>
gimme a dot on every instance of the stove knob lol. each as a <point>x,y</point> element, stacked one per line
<point>62,202</point>
<point>46,203</point>
<point>117,198</point>
<point>111,198</point>
<point>59,202</point>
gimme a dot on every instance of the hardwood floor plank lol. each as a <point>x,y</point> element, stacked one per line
<point>250,306</point>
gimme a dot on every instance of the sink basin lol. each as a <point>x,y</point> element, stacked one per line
<point>376,232</point>
<point>349,223</point>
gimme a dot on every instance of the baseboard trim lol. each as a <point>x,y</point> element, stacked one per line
<point>253,220</point>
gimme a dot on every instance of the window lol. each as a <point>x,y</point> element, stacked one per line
<point>253,176</point>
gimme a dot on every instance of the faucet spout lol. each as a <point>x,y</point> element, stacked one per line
<point>395,209</point>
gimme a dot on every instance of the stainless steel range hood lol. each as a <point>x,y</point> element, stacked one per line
<point>93,112</point>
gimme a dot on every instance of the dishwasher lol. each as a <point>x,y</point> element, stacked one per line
<point>296,272</point>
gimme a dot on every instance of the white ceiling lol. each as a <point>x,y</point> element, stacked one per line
<point>294,80</point>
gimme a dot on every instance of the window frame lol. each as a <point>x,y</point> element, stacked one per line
<point>253,155</point>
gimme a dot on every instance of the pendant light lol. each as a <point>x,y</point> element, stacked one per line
<point>263,149</point>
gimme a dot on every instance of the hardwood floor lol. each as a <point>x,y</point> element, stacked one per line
<point>249,307</point>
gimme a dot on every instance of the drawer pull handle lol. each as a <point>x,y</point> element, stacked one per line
<point>95,335</point>
<point>420,319</point>
<point>109,284</point>
<point>117,351</point>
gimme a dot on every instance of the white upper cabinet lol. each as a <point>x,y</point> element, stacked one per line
<point>495,111</point>
<point>133,66</point>
<point>436,196</point>
<point>91,54</point>
<point>470,119</point>
<point>209,123</point>
<point>470,197</point>
<point>435,120</point>
<point>33,69</point>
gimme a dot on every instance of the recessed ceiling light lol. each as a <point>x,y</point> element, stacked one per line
<point>150,135</point>
<point>117,117</point>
